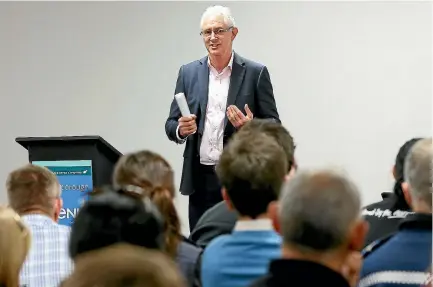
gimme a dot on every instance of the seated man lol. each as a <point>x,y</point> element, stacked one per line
<point>404,258</point>
<point>322,229</point>
<point>219,220</point>
<point>251,169</point>
<point>34,193</point>
<point>384,216</point>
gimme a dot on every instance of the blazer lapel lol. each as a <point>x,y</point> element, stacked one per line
<point>203,82</point>
<point>236,79</point>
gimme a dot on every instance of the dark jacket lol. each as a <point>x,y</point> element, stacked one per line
<point>384,216</point>
<point>402,259</point>
<point>250,84</point>
<point>216,221</point>
<point>294,273</point>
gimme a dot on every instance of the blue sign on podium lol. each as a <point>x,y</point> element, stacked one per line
<point>75,177</point>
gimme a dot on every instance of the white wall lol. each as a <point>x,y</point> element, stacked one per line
<point>352,80</point>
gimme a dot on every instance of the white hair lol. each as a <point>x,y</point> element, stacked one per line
<point>317,208</point>
<point>418,170</point>
<point>217,10</point>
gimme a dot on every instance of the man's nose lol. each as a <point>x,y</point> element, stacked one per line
<point>212,35</point>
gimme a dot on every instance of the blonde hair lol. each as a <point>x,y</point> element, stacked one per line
<point>32,187</point>
<point>124,265</point>
<point>14,246</point>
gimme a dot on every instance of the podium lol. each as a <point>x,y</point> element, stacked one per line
<point>79,162</point>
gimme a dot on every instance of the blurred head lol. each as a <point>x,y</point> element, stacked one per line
<point>34,189</point>
<point>251,170</point>
<point>320,214</point>
<point>116,216</point>
<point>154,175</point>
<point>124,265</point>
<point>218,30</point>
<point>398,168</point>
<point>418,176</point>
<point>14,246</point>
<point>276,131</point>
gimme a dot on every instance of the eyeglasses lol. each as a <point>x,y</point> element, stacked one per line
<point>217,32</point>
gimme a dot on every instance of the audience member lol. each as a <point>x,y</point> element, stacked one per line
<point>14,247</point>
<point>219,219</point>
<point>384,216</point>
<point>151,173</point>
<point>112,216</point>
<point>123,265</point>
<point>322,228</point>
<point>34,193</point>
<point>403,259</point>
<point>251,169</point>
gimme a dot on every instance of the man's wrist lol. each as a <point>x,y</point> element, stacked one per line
<point>178,136</point>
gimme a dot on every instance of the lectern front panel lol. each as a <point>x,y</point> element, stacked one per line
<point>75,177</point>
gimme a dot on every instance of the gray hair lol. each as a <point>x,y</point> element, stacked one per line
<point>219,11</point>
<point>317,209</point>
<point>418,170</point>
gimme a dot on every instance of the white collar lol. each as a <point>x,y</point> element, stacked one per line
<point>254,225</point>
<point>230,65</point>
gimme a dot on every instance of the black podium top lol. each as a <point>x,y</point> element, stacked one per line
<point>102,144</point>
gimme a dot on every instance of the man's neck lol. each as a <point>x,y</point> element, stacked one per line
<point>333,260</point>
<point>220,62</point>
<point>421,207</point>
<point>248,218</point>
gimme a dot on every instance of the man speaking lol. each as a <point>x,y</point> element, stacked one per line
<point>223,91</point>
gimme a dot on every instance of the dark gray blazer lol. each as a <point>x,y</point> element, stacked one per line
<point>249,84</point>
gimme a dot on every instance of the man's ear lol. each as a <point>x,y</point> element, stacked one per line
<point>273,215</point>
<point>358,234</point>
<point>406,193</point>
<point>393,172</point>
<point>235,32</point>
<point>291,174</point>
<point>226,198</point>
<point>58,208</point>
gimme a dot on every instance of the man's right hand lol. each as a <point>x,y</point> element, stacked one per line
<point>187,125</point>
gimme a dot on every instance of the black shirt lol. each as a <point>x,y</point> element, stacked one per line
<point>292,273</point>
<point>385,216</point>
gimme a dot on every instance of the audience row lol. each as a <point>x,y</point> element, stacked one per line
<point>278,224</point>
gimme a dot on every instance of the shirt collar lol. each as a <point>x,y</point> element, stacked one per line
<point>254,225</point>
<point>307,272</point>
<point>417,221</point>
<point>37,219</point>
<point>230,65</point>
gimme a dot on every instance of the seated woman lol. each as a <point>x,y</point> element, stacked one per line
<point>151,173</point>
<point>14,246</point>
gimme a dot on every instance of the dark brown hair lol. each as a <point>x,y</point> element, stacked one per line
<point>277,131</point>
<point>151,172</point>
<point>252,169</point>
<point>124,265</point>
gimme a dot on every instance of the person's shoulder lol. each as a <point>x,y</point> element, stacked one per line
<point>249,62</point>
<point>218,243</point>
<point>195,63</point>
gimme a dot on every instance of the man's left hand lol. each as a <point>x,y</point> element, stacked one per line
<point>237,118</point>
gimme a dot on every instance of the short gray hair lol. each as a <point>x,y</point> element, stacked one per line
<point>317,209</point>
<point>219,11</point>
<point>418,170</point>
